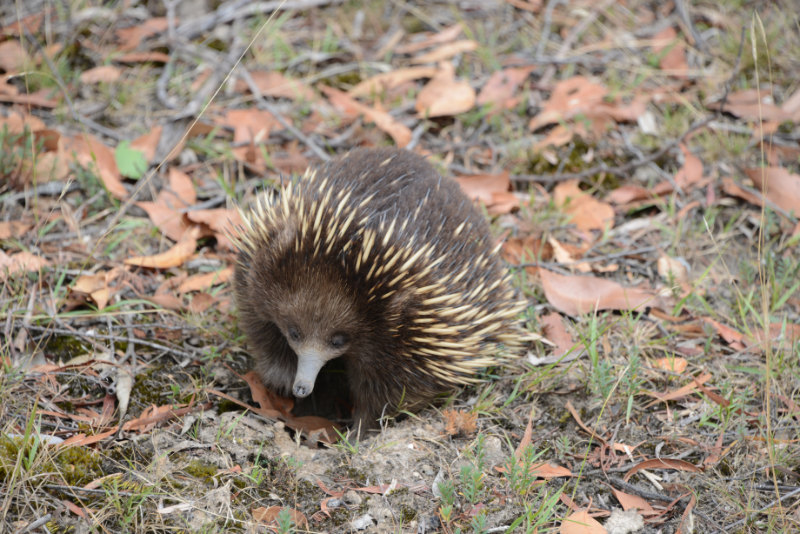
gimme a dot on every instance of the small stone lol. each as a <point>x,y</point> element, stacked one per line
<point>362,522</point>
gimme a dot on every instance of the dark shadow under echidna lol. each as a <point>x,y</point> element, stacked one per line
<point>376,259</point>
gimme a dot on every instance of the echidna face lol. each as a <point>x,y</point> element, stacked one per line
<point>317,329</point>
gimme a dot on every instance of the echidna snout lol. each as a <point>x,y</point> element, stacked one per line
<point>309,362</point>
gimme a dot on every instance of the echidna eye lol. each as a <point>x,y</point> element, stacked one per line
<point>294,333</point>
<point>338,341</point>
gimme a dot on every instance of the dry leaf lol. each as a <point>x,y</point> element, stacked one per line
<point>148,143</point>
<point>672,364</point>
<point>444,95</point>
<point>14,229</point>
<point>752,104</point>
<point>581,523</point>
<point>674,59</point>
<point>575,295</point>
<point>460,422</point>
<point>631,502</point>
<point>91,153</point>
<point>389,80</point>
<point>446,51</point>
<point>20,262</point>
<point>672,270</point>
<point>205,281</point>
<point>174,257</point>
<point>277,85</point>
<point>270,515</point>
<point>692,170</point>
<point>446,35</point>
<point>490,189</point>
<point>553,328</point>
<point>103,73</point>
<point>397,130</point>
<point>130,37</point>
<point>12,56</point>
<point>501,86</point>
<point>587,212</point>
<point>779,185</point>
<point>569,98</point>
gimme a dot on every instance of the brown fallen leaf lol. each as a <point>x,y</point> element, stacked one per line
<point>779,185</point>
<point>672,269</point>
<point>142,57</point>
<point>631,502</point>
<point>277,85</point>
<point>692,170</point>
<point>443,36</point>
<point>103,73</point>
<point>502,85</point>
<point>581,523</point>
<point>12,56</point>
<point>96,286</point>
<point>205,281</point>
<point>443,95</point>
<point>493,190</point>
<point>174,257</point>
<point>553,328</point>
<point>384,121</point>
<point>460,422</point>
<point>130,37</point>
<point>671,364</point>
<point>221,221</point>
<point>14,229</point>
<point>20,262</point>
<point>569,97</point>
<point>752,104</point>
<point>682,391</point>
<point>270,515</point>
<point>389,80</point>
<point>148,143</point>
<point>91,153</point>
<point>671,52</point>
<point>576,295</point>
<point>588,213</point>
<point>662,463</point>
<point>446,51</point>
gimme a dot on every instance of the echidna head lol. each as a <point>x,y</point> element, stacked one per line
<point>317,314</point>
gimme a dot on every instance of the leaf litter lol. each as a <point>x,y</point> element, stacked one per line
<point>644,187</point>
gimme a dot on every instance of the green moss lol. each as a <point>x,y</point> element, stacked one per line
<point>201,470</point>
<point>78,465</point>
<point>73,466</point>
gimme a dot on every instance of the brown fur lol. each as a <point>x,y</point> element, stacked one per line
<point>294,276</point>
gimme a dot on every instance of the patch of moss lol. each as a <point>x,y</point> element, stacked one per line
<point>201,470</point>
<point>73,466</point>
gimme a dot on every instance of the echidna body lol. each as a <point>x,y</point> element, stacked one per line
<point>376,259</point>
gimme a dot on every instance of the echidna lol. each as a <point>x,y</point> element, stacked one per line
<point>376,259</point>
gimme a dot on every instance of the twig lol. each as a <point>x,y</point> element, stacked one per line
<point>36,524</point>
<point>243,8</point>
<point>547,23</point>
<point>263,103</point>
<point>47,189</point>
<point>683,13</point>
